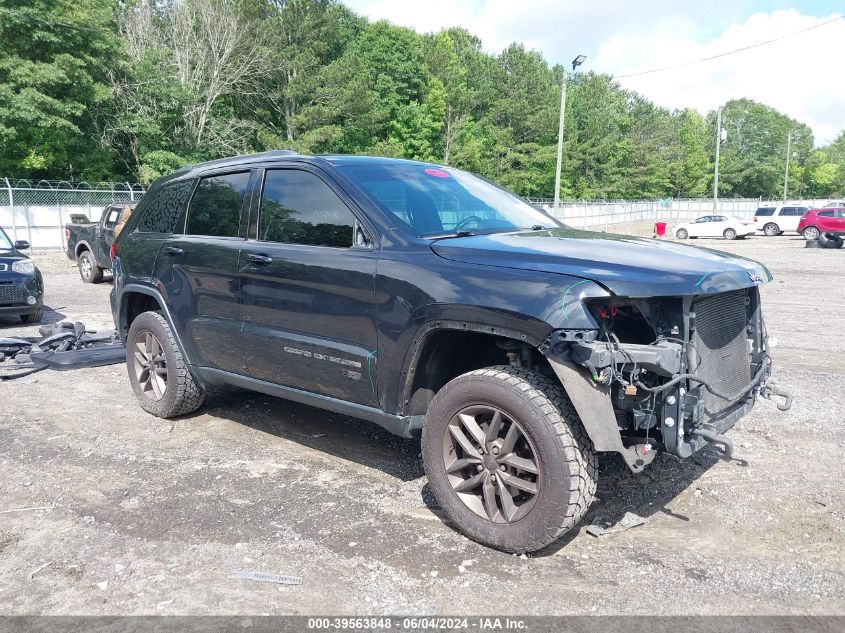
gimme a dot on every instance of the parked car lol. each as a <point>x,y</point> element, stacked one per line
<point>21,285</point>
<point>434,303</point>
<point>88,244</point>
<point>715,226</point>
<point>835,204</point>
<point>775,220</point>
<point>825,220</point>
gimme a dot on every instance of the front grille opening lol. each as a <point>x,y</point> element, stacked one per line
<point>11,293</point>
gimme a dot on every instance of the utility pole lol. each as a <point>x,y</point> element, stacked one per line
<point>718,146</point>
<point>786,171</point>
<point>575,63</point>
<point>560,140</point>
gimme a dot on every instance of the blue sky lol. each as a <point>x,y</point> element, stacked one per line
<point>621,37</point>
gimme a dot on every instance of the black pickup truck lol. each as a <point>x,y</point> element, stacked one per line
<point>438,305</point>
<point>88,244</point>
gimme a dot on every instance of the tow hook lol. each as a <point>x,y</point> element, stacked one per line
<point>767,391</point>
<point>715,438</point>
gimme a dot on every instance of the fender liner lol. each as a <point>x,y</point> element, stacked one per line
<point>78,251</point>
<point>592,402</point>
<point>123,328</point>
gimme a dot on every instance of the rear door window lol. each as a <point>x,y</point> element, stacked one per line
<point>217,205</point>
<point>826,214</point>
<point>160,209</point>
<point>794,211</point>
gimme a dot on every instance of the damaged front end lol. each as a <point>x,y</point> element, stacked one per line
<point>666,373</point>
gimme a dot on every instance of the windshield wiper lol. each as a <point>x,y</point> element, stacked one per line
<point>447,236</point>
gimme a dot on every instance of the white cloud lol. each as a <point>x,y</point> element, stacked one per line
<point>801,76</point>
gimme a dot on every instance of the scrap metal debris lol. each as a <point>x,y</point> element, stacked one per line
<point>259,576</point>
<point>61,346</point>
<point>601,527</point>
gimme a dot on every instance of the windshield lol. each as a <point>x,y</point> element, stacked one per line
<point>5,242</point>
<point>433,201</point>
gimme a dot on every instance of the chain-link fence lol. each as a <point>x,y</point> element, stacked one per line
<point>600,214</point>
<point>37,211</point>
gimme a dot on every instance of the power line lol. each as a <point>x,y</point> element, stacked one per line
<point>725,54</point>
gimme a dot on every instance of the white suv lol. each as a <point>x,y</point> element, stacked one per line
<point>777,219</point>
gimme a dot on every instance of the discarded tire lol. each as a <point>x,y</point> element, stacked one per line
<point>830,240</point>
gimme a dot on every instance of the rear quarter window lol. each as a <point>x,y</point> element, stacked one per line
<point>765,211</point>
<point>825,214</point>
<point>163,207</point>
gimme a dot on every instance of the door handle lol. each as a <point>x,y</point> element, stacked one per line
<point>172,250</point>
<point>255,258</point>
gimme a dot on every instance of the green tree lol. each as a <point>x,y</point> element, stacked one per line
<point>54,60</point>
<point>754,154</point>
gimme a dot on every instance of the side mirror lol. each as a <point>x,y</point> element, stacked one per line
<point>21,245</point>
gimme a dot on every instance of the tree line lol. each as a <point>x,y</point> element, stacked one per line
<point>134,89</point>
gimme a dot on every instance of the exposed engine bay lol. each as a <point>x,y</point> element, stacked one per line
<point>667,374</point>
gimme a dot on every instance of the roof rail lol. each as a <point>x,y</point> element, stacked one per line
<point>239,159</point>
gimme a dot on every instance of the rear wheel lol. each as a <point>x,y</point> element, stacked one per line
<point>682,234</point>
<point>158,373</point>
<point>88,269</point>
<point>508,459</point>
<point>771,229</point>
<point>811,233</point>
<point>729,234</point>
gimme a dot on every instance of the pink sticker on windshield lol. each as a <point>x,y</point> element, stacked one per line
<point>437,173</point>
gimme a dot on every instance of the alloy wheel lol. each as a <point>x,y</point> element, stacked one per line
<point>85,266</point>
<point>811,233</point>
<point>771,230</point>
<point>491,464</point>
<point>150,365</point>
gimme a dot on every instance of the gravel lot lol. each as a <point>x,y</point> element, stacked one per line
<point>151,516</point>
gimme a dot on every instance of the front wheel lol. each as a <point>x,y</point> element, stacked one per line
<point>729,234</point>
<point>682,234</point>
<point>811,233</point>
<point>159,376</point>
<point>508,459</point>
<point>34,317</point>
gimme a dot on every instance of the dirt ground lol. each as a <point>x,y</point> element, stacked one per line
<point>149,516</point>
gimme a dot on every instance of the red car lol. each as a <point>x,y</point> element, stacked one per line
<point>825,220</point>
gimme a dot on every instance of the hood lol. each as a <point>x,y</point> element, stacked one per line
<point>627,266</point>
<point>8,256</point>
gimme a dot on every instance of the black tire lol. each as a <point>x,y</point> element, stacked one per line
<point>771,229</point>
<point>729,234</point>
<point>182,393</point>
<point>811,233</point>
<point>88,269</point>
<point>682,234</point>
<point>34,317</point>
<point>829,240</point>
<point>565,461</point>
